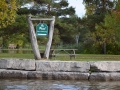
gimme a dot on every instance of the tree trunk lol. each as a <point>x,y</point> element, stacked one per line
<point>104,45</point>
<point>77,39</point>
<point>48,46</point>
<point>33,38</point>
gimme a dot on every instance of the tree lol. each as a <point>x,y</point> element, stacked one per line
<point>103,36</point>
<point>7,12</point>
<point>98,6</point>
<point>52,8</point>
<point>96,11</point>
<point>107,32</point>
<point>18,28</point>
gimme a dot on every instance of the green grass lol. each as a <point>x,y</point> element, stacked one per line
<point>79,57</point>
<point>89,57</point>
<point>98,57</point>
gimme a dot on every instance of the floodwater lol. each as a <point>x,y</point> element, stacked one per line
<point>17,84</point>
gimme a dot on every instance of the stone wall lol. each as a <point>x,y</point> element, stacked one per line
<point>60,70</point>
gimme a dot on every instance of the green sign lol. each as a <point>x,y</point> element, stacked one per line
<point>42,29</point>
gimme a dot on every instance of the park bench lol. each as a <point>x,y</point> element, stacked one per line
<point>63,52</point>
<point>11,46</point>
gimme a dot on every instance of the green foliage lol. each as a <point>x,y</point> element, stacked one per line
<point>56,37</point>
<point>65,30</point>
<point>22,11</point>
<point>108,32</point>
<point>98,6</point>
<point>16,33</point>
<point>7,12</point>
<point>103,25</point>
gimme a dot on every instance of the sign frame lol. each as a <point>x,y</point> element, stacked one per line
<point>42,29</point>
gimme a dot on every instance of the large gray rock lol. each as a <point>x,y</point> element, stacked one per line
<point>114,76</point>
<point>105,66</point>
<point>62,66</point>
<point>3,64</point>
<point>13,74</point>
<point>17,64</point>
<point>21,64</point>
<point>57,75</point>
<point>30,65</point>
<point>99,77</point>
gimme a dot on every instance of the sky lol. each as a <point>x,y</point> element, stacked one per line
<point>79,7</point>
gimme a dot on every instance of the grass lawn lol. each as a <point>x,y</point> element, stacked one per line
<point>90,57</point>
<point>79,57</point>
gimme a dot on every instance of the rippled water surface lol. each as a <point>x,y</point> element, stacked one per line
<point>56,85</point>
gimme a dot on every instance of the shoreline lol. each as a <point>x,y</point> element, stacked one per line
<point>60,70</point>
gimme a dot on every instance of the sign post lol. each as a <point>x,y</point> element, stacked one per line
<point>33,38</point>
<point>49,43</point>
<point>42,29</point>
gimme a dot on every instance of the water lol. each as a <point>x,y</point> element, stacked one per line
<point>16,51</point>
<point>17,84</point>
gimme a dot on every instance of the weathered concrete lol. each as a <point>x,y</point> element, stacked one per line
<point>62,66</point>
<point>105,66</point>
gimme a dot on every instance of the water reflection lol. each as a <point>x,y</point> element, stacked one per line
<point>57,85</point>
<point>18,51</point>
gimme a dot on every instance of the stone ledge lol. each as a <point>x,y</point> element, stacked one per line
<point>17,64</point>
<point>57,75</point>
<point>19,74</point>
<point>62,66</point>
<point>105,66</point>
<point>45,66</point>
<point>13,74</point>
<point>114,76</point>
<point>60,70</point>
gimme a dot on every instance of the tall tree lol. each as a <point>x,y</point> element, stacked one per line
<point>108,31</point>
<point>52,8</point>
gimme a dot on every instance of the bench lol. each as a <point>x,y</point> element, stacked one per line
<point>11,46</point>
<point>59,52</point>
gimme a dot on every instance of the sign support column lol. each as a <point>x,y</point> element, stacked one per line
<point>33,39</point>
<point>50,37</point>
